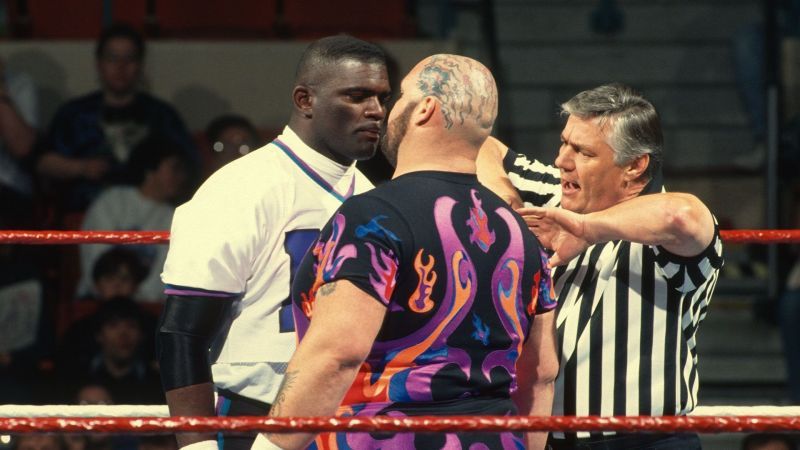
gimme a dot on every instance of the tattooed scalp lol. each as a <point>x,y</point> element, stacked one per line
<point>464,87</point>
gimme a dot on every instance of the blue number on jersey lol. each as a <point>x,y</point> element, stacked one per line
<point>296,244</point>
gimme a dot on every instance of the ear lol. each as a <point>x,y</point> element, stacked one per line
<point>637,167</point>
<point>303,99</point>
<point>425,110</point>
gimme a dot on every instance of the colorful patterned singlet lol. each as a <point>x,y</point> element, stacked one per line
<point>461,278</point>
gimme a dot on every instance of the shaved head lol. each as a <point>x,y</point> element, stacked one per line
<point>465,88</point>
<point>466,95</point>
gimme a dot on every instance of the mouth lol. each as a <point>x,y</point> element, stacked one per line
<point>568,187</point>
<point>371,133</point>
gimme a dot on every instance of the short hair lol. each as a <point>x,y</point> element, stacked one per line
<point>113,260</point>
<point>160,441</point>
<point>60,441</point>
<point>217,126</point>
<point>636,126</point>
<point>120,30</point>
<point>756,440</point>
<point>119,308</point>
<point>148,154</point>
<point>333,50</point>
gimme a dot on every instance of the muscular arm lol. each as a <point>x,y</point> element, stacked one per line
<point>195,401</point>
<point>492,174</point>
<point>679,222</point>
<point>537,369</point>
<point>187,326</point>
<point>343,328</point>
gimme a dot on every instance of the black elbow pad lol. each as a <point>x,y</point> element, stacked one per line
<point>185,330</point>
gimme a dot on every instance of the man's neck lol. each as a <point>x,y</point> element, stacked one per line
<point>117,369</point>
<point>415,156</point>
<point>453,165</point>
<point>306,134</point>
<point>118,100</point>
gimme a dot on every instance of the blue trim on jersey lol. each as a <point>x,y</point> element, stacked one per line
<point>312,174</point>
<point>223,407</point>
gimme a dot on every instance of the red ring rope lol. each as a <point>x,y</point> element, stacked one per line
<point>671,424</point>
<point>83,237</point>
<point>760,236</point>
<point>162,237</point>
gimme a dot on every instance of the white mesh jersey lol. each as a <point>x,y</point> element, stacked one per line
<point>239,239</point>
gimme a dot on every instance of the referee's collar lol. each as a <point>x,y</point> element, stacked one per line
<point>655,185</point>
<point>326,167</point>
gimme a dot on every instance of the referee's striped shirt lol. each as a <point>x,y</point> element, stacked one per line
<point>626,321</point>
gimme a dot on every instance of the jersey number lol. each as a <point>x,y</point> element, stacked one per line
<point>296,244</point>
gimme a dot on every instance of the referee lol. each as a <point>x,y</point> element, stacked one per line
<point>637,268</point>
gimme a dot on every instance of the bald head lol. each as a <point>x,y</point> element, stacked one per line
<point>447,106</point>
<point>465,89</point>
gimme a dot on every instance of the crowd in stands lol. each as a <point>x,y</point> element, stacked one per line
<point>79,321</point>
<point>114,159</point>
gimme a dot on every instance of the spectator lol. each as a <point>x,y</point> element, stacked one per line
<point>229,137</point>
<point>89,394</point>
<point>158,442</point>
<point>158,168</point>
<point>38,442</point>
<point>91,137</point>
<point>120,364</point>
<point>750,58</point>
<point>768,441</point>
<point>26,338</point>
<point>18,119</point>
<point>121,357</point>
<point>92,393</point>
<point>788,315</point>
<point>117,273</point>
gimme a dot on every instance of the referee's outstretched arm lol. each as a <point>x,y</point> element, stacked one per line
<point>678,222</point>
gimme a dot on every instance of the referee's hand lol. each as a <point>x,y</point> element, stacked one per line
<point>561,231</point>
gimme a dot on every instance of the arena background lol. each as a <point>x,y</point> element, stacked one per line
<point>679,53</point>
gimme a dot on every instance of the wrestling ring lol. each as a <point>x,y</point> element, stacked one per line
<point>154,419</point>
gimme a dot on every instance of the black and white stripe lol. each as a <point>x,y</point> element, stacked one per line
<point>627,323</point>
<point>538,183</point>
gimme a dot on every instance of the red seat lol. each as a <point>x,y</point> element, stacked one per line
<point>215,19</point>
<point>366,19</point>
<point>83,19</point>
<point>64,19</point>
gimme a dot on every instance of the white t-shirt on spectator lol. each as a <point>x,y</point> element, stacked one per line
<point>125,208</point>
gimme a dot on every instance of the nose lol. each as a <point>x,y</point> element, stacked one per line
<point>375,109</point>
<point>564,159</point>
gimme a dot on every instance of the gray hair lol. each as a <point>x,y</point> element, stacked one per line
<point>635,125</point>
